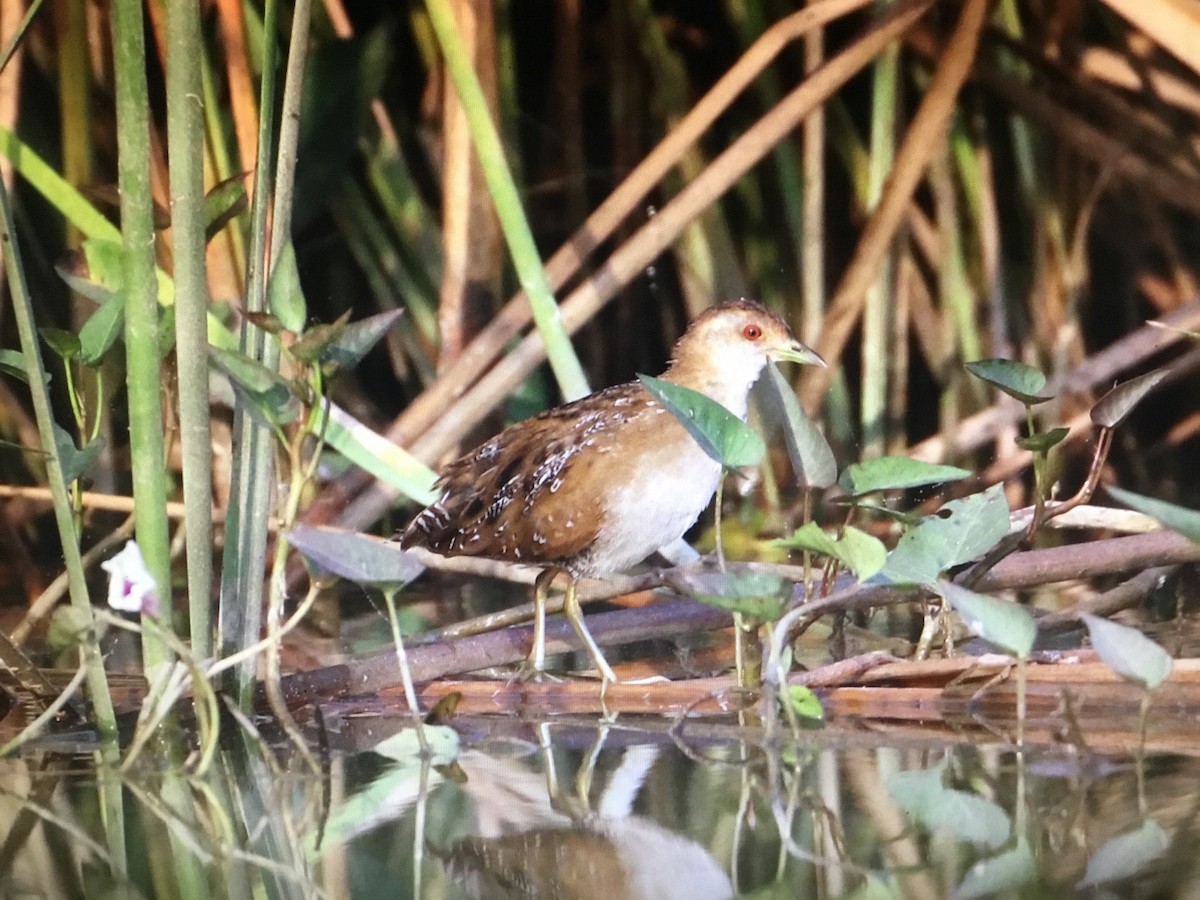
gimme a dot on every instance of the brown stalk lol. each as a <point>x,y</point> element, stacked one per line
<point>242,99</point>
<point>469,229</point>
<point>924,138</point>
<point>1174,24</point>
<point>1108,66</point>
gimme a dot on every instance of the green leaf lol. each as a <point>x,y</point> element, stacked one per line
<point>1111,409</point>
<point>924,798</point>
<point>366,807</point>
<point>812,459</point>
<point>354,341</point>
<point>1043,443</point>
<point>317,339</point>
<point>1128,652</point>
<point>69,271</point>
<point>267,322</point>
<point>999,875</point>
<point>961,531</point>
<point>105,263</point>
<point>861,553</point>
<point>1177,518</point>
<point>760,595</point>
<point>65,344</point>
<point>267,395</point>
<point>276,407</point>
<point>380,457</point>
<point>241,369</point>
<point>12,362</point>
<point>890,473</point>
<point>73,460</point>
<point>224,201</point>
<point>805,703</point>
<point>1126,855</point>
<point>166,331</point>
<point>404,747</point>
<point>285,298</point>
<point>102,329</point>
<point>355,557</point>
<point>1014,378</point>
<point>720,433</point>
<point>1001,622</point>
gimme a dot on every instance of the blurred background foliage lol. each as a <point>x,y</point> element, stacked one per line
<point>1042,159</point>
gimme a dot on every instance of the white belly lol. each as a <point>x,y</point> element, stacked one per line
<point>648,513</point>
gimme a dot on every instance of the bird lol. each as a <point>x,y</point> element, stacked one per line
<point>593,487</point>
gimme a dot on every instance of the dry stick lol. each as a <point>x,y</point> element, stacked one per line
<point>490,343</point>
<point>94,500</point>
<point>924,138</point>
<point>1123,596</point>
<point>650,241</point>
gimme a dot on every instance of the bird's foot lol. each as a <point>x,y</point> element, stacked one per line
<point>530,671</point>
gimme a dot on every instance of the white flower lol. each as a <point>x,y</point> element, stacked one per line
<point>131,587</point>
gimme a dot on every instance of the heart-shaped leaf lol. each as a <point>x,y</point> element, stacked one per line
<point>404,747</point>
<point>924,797</point>
<point>1111,409</point>
<point>65,344</point>
<point>721,434</point>
<point>961,531</point>
<point>356,339</point>
<point>75,461</point>
<point>890,473</point>
<point>810,454</point>
<point>1014,378</point>
<point>1001,622</point>
<point>861,553</point>
<point>317,339</point>
<point>1128,652</point>
<point>268,396</point>
<point>102,329</point>
<point>760,595</point>
<point>250,374</point>
<point>355,557</point>
<point>12,362</point>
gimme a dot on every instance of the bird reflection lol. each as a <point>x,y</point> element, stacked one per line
<point>532,842</point>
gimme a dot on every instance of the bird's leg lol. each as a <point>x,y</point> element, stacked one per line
<point>574,614</point>
<point>536,664</point>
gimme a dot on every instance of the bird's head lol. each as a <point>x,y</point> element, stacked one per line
<point>725,349</point>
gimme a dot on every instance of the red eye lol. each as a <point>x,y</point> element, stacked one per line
<point>752,332</point>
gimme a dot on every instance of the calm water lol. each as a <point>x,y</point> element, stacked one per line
<point>570,810</point>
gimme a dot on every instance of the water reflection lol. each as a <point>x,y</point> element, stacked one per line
<point>511,809</point>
